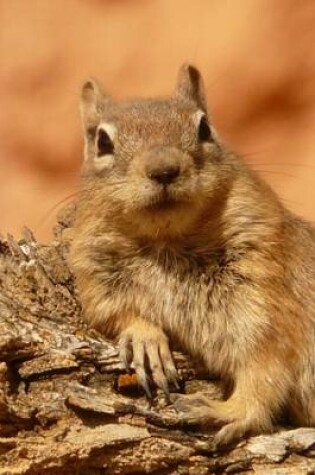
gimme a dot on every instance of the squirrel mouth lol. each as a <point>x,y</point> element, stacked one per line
<point>162,205</point>
<point>163,202</point>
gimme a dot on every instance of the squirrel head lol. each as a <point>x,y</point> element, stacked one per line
<point>152,163</point>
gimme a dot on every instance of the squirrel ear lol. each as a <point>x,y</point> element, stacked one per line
<point>92,103</point>
<point>190,86</point>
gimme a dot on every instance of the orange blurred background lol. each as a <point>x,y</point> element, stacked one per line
<point>258,62</point>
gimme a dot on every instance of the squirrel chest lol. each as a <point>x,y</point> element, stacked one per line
<point>181,291</point>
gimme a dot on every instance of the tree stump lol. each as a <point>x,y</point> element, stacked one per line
<point>67,406</point>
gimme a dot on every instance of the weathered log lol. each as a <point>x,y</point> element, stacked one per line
<point>66,405</point>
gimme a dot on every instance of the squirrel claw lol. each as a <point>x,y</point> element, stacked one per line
<point>146,387</point>
<point>125,352</point>
<point>146,346</point>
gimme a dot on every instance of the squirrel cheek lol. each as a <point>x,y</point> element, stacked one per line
<point>104,162</point>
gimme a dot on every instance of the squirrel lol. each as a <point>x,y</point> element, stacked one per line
<point>177,239</point>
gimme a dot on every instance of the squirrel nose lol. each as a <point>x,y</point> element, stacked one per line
<point>164,175</point>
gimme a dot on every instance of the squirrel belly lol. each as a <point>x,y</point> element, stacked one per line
<point>176,239</point>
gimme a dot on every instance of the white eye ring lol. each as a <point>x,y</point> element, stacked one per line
<point>105,160</point>
<point>104,140</point>
<point>109,128</point>
<point>197,118</point>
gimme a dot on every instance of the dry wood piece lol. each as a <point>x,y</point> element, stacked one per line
<point>66,406</point>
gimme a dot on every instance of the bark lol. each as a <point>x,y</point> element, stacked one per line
<point>66,405</point>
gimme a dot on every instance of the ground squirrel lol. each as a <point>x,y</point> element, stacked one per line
<point>177,239</point>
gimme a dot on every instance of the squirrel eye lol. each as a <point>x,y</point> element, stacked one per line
<point>204,131</point>
<point>104,144</point>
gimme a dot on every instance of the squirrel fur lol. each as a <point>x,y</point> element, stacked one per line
<point>177,239</point>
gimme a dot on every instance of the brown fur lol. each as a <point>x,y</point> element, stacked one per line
<point>218,265</point>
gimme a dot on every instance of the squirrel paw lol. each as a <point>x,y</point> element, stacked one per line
<point>146,346</point>
<point>232,432</point>
<point>197,409</point>
<point>194,409</point>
